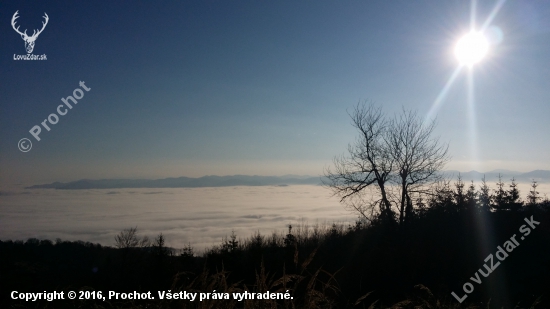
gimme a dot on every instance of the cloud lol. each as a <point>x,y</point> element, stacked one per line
<point>200,216</point>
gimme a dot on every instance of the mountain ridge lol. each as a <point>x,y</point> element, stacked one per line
<point>181,182</point>
<point>541,176</point>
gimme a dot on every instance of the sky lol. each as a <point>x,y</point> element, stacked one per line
<point>194,88</point>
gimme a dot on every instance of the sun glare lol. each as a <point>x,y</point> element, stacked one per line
<point>471,48</point>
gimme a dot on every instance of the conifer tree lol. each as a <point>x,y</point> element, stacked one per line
<point>484,196</point>
<point>512,196</point>
<point>459,194</point>
<point>471,197</point>
<point>533,197</point>
<point>499,198</point>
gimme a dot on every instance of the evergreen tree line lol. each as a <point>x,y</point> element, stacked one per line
<point>503,198</point>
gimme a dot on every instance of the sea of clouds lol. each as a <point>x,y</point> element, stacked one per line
<point>197,216</point>
<point>200,217</point>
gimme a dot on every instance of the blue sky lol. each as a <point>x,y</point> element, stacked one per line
<point>193,88</point>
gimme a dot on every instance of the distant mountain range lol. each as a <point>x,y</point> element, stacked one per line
<point>541,176</point>
<point>184,182</point>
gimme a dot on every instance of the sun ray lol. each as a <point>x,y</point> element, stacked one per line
<point>493,14</point>
<point>472,120</point>
<point>473,13</point>
<point>442,94</point>
<point>484,226</point>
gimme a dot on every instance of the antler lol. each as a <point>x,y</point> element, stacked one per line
<point>13,24</point>
<point>43,26</point>
<point>34,33</point>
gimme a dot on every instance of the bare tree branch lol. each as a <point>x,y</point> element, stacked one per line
<point>396,155</point>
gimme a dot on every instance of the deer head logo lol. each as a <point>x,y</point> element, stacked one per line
<point>29,40</point>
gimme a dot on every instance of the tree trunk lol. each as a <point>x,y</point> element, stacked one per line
<point>403,200</point>
<point>385,200</point>
<point>408,209</point>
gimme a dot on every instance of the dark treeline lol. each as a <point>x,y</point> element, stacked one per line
<point>375,262</point>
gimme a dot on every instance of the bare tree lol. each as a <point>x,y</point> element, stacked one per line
<point>389,155</point>
<point>417,156</point>
<point>128,238</point>
<point>367,163</point>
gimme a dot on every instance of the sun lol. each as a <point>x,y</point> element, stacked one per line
<point>471,48</point>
